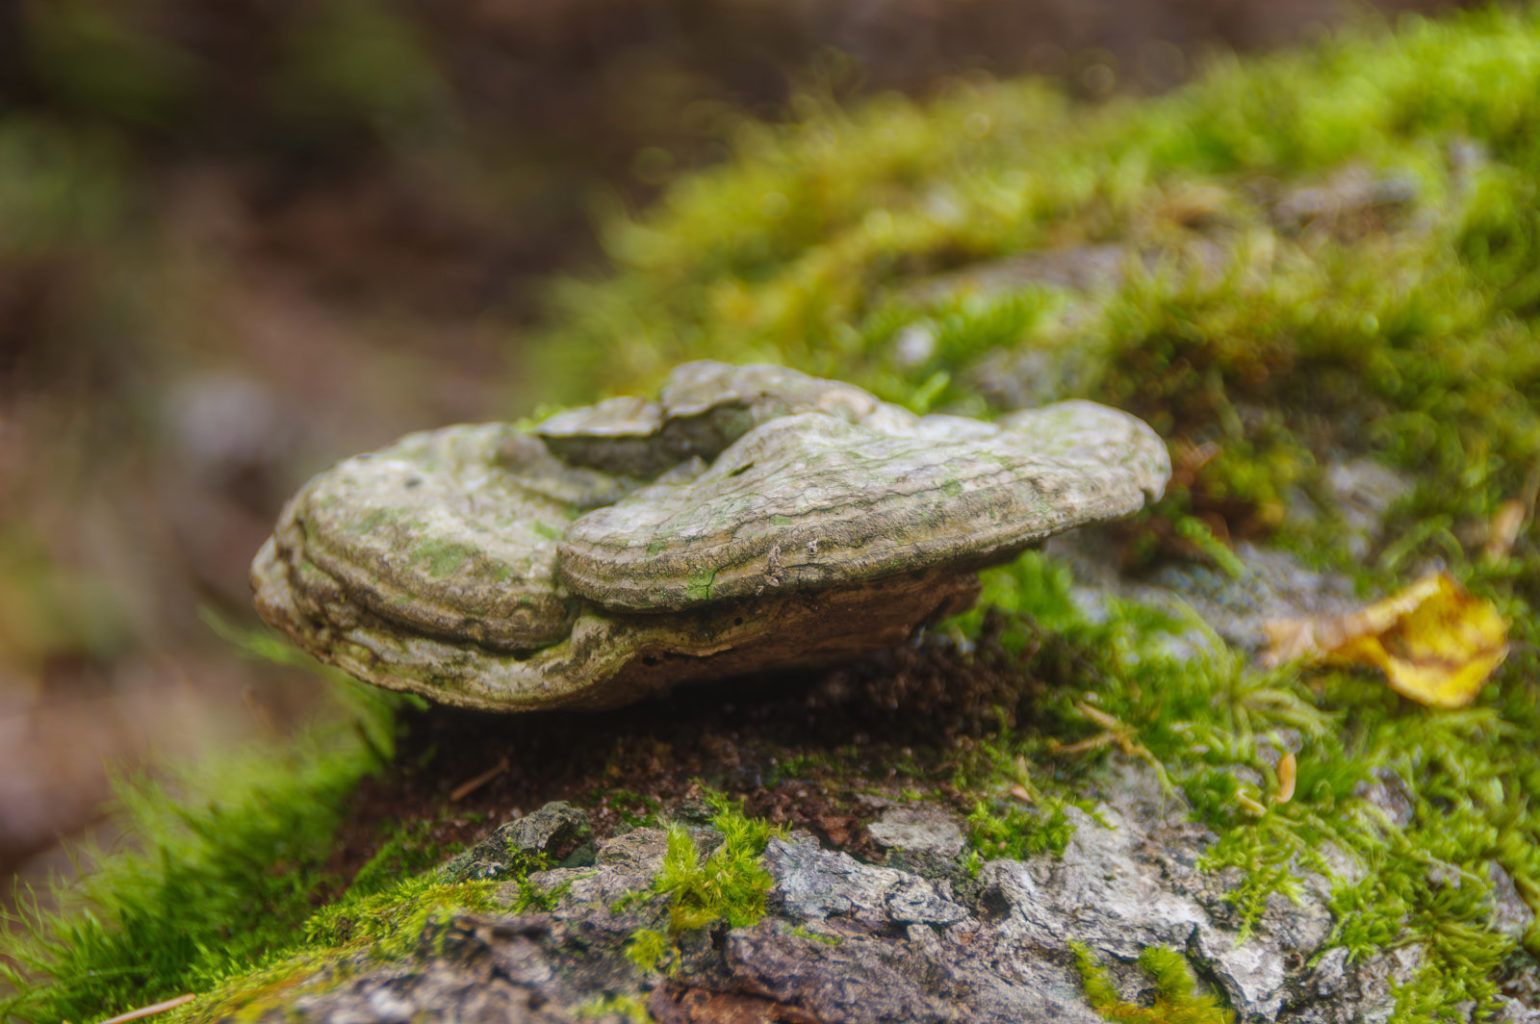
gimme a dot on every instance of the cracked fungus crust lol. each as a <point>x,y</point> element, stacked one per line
<point>787,521</point>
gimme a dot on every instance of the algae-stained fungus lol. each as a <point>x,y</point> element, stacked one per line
<point>751,517</point>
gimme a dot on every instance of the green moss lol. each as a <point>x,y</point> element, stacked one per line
<point>532,896</point>
<point>396,906</point>
<point>1017,832</point>
<point>636,810</point>
<point>548,532</point>
<point>629,1007</point>
<point>728,885</point>
<point>390,923</point>
<point>407,918</point>
<point>392,896</point>
<point>1176,999</point>
<point>408,849</point>
<point>812,936</point>
<point>1203,538</point>
<point>651,950</point>
<point>1206,721</point>
<point>1415,345</point>
<point>227,864</point>
<point>222,867</point>
<point>1270,853</point>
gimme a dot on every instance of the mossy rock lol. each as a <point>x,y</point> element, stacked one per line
<point>1296,261</point>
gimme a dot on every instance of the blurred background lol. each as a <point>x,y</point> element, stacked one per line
<point>239,241</point>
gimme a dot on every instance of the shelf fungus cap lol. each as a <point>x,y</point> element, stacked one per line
<point>703,408</point>
<point>751,518</point>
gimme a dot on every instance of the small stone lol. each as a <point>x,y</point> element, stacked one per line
<point>1510,913</point>
<point>552,833</point>
<point>918,829</point>
<point>693,812</point>
<point>817,885</point>
<point>555,830</point>
<point>1391,795</point>
<point>1364,491</point>
<point>914,344</point>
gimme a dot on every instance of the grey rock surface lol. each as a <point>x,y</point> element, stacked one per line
<point>846,942</point>
<point>918,829</point>
<point>512,969</point>
<point>553,832</point>
<point>1248,231</point>
<point>1272,585</point>
<point>1364,491</point>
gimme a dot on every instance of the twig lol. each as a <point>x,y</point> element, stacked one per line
<point>470,786</point>
<point>1115,732</point>
<point>150,1011</point>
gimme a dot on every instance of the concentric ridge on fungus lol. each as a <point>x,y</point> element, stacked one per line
<point>752,517</point>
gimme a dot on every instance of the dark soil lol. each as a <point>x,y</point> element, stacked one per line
<point>809,750</point>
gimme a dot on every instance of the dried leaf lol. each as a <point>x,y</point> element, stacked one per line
<point>1288,773</point>
<point>1435,641</point>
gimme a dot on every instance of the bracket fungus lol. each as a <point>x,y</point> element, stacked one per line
<point>750,518</point>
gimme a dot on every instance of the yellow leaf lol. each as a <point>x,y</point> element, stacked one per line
<point>1435,641</point>
<point>1288,774</point>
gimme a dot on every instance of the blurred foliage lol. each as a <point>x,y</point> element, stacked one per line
<point>57,187</point>
<point>829,242</point>
<point>349,62</point>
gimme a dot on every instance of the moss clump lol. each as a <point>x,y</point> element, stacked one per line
<point>629,1007</point>
<point>228,865</point>
<point>1017,833</point>
<point>649,950</point>
<point>389,924</point>
<point>406,919</point>
<point>532,896</point>
<point>818,937</point>
<point>728,885</point>
<point>397,905</point>
<point>1176,999</point>
<point>408,849</point>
